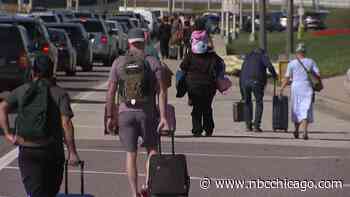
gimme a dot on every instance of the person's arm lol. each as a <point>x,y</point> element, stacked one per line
<point>267,62</point>
<point>287,78</point>
<point>69,140</point>
<point>110,97</point>
<point>4,122</point>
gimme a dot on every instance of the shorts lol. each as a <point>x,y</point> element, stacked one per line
<point>133,125</point>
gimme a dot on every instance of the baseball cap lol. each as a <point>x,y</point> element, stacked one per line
<point>136,35</point>
<point>301,48</point>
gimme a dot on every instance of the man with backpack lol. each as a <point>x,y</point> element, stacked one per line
<point>136,79</point>
<point>253,79</point>
<point>43,121</point>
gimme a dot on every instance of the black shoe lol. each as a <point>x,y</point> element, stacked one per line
<point>197,134</point>
<point>258,130</point>
<point>296,134</point>
<point>305,137</point>
<point>249,127</point>
<point>209,133</point>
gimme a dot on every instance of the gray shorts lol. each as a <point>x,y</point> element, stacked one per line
<point>133,125</point>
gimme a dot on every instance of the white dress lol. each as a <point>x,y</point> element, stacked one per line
<point>301,90</point>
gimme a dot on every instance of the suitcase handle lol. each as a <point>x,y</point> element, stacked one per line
<point>172,134</point>
<point>82,164</point>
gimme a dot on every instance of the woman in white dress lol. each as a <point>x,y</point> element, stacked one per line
<point>302,94</point>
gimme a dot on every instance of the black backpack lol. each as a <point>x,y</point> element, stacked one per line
<point>33,113</point>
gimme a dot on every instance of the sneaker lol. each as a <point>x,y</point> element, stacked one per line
<point>305,137</point>
<point>209,133</point>
<point>144,192</point>
<point>258,130</point>
<point>197,134</point>
<point>249,128</point>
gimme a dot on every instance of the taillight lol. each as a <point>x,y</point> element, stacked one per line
<point>104,39</point>
<point>45,48</point>
<point>23,61</point>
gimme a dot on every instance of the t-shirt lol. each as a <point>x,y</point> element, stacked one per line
<point>61,106</point>
<point>297,72</point>
<point>157,71</point>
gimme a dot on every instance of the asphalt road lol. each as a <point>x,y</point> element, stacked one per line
<point>230,154</point>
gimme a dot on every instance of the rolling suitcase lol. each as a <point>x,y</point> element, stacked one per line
<point>168,175</point>
<point>238,111</point>
<point>66,192</point>
<point>173,52</point>
<point>279,111</point>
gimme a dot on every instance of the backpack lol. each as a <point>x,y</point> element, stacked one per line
<point>135,81</point>
<point>33,113</point>
<point>253,61</point>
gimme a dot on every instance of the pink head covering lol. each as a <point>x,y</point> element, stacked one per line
<point>199,42</point>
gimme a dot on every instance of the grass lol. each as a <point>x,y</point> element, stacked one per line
<point>330,52</point>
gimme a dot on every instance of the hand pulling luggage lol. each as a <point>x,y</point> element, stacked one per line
<point>279,111</point>
<point>168,174</point>
<point>66,193</point>
<point>173,52</point>
<point>115,120</point>
<point>238,111</point>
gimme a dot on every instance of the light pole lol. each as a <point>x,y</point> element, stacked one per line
<point>252,35</point>
<point>262,36</point>
<point>134,3</point>
<point>125,5</point>
<point>222,18</point>
<point>240,15</point>
<point>174,5</point>
<point>208,5</point>
<point>183,5</point>
<point>290,31</point>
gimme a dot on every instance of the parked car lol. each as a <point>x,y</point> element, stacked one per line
<point>16,57</point>
<point>67,56</point>
<point>151,18</point>
<point>104,45</point>
<point>80,41</point>
<point>38,36</point>
<point>65,15</point>
<point>47,17</point>
<point>85,15</point>
<point>117,30</point>
<point>314,20</point>
<point>123,20</point>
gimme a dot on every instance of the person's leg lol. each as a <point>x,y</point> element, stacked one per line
<point>258,90</point>
<point>162,49</point>
<point>208,120</point>
<point>248,106</point>
<point>150,151</point>
<point>55,170</point>
<point>131,169</point>
<point>32,167</point>
<point>196,98</point>
<point>304,126</point>
<point>167,48</point>
<point>296,131</point>
<point>181,51</point>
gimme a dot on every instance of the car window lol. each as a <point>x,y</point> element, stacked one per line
<point>93,26</point>
<point>49,18</point>
<point>57,37</point>
<point>11,42</point>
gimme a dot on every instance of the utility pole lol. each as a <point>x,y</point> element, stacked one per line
<point>135,4</point>
<point>222,18</point>
<point>252,35</point>
<point>240,15</point>
<point>174,6</point>
<point>208,5</point>
<point>183,5</point>
<point>125,5</point>
<point>262,36</point>
<point>290,29</point>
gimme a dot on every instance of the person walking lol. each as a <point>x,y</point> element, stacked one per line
<point>137,115</point>
<point>40,136</point>
<point>187,32</point>
<point>302,94</point>
<point>164,37</point>
<point>199,67</point>
<point>253,79</point>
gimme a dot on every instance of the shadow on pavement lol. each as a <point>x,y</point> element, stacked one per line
<point>80,101</point>
<point>84,89</point>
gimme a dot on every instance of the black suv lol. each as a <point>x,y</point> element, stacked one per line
<point>38,36</point>
<point>16,57</point>
<point>80,40</point>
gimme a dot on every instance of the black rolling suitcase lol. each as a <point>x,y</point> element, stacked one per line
<point>238,111</point>
<point>168,174</point>
<point>66,184</point>
<point>279,111</point>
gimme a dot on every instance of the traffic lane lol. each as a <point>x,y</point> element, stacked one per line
<point>106,170</point>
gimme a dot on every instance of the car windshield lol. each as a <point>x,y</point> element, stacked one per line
<point>49,18</point>
<point>125,22</point>
<point>75,33</point>
<point>11,43</point>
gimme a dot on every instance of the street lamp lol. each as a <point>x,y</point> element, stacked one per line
<point>252,35</point>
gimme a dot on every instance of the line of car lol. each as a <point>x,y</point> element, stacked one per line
<point>69,38</point>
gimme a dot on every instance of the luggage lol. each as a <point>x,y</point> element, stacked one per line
<point>66,193</point>
<point>173,52</point>
<point>279,112</point>
<point>223,84</point>
<point>238,111</point>
<point>168,175</point>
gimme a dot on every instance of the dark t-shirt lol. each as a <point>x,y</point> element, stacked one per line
<point>60,106</point>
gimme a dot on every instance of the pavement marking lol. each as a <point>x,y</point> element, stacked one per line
<point>345,185</point>
<point>12,155</point>
<point>231,156</point>
<point>8,158</point>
